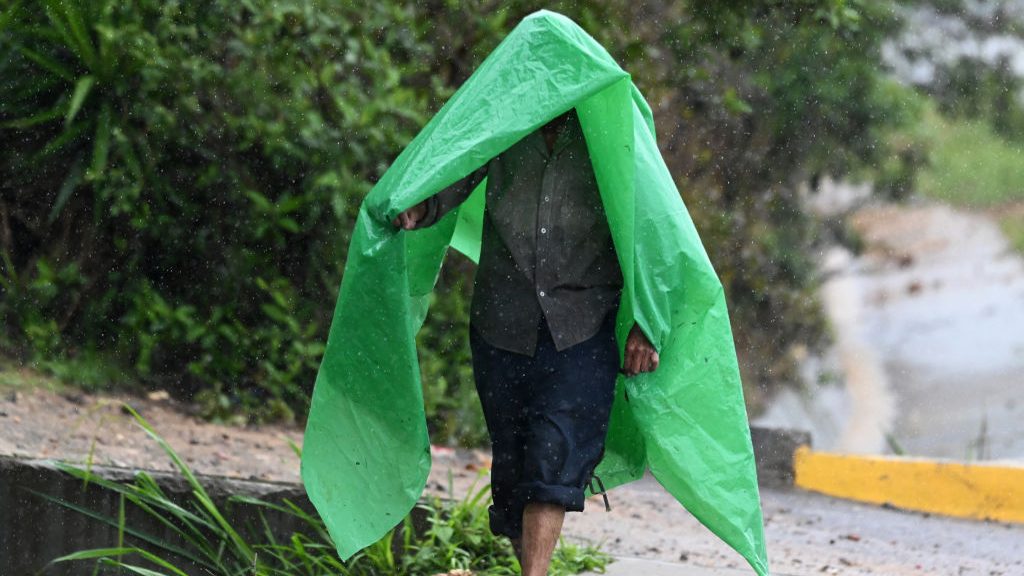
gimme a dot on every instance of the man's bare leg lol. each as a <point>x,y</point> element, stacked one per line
<point>542,524</point>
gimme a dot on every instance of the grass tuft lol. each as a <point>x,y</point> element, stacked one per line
<point>970,165</point>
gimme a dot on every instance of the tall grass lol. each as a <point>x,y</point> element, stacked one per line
<point>969,164</point>
<point>207,538</point>
<point>966,163</point>
<point>1013,226</point>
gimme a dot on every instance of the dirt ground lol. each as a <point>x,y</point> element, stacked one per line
<point>807,533</point>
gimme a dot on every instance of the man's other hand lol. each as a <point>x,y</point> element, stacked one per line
<point>408,219</point>
<point>640,353</point>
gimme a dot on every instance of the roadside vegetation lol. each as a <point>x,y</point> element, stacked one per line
<point>179,181</point>
<point>969,164</point>
<point>966,136</point>
<point>206,538</point>
<point>973,166</point>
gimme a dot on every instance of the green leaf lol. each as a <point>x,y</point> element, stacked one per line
<point>101,144</point>
<point>82,88</point>
<point>146,494</point>
<point>95,553</point>
<point>295,448</point>
<point>158,561</point>
<point>135,533</point>
<point>120,521</point>
<point>137,569</point>
<point>57,24</point>
<point>29,94</point>
<point>61,141</point>
<point>263,204</point>
<point>39,118</point>
<point>76,33</point>
<point>288,224</point>
<point>444,533</point>
<point>734,103</point>
<point>178,462</point>
<point>211,508</point>
<point>46,63</point>
<point>70,183</point>
<point>7,15</point>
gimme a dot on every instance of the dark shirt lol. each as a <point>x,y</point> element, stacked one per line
<point>546,250</point>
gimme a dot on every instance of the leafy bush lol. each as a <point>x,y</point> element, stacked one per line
<point>456,537</point>
<point>752,100</point>
<point>180,179</point>
<point>972,89</point>
<point>183,178</point>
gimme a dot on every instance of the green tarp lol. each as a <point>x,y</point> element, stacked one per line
<point>367,455</point>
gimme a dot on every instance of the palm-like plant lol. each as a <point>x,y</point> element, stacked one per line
<point>69,74</point>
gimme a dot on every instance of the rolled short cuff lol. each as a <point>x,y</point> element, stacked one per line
<point>569,497</point>
<point>509,522</point>
<point>504,525</point>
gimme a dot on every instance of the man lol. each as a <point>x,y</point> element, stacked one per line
<point>542,329</point>
<point>366,455</point>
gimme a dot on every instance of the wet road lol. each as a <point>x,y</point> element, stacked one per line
<point>944,310</point>
<point>928,324</point>
<point>807,534</point>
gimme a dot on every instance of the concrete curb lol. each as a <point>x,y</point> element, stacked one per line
<point>773,452</point>
<point>977,491</point>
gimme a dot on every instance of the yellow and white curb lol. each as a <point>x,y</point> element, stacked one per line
<point>965,490</point>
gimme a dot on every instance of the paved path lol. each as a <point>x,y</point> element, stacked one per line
<point>946,306</point>
<point>928,339</point>
<point>807,535</point>
<point>641,567</point>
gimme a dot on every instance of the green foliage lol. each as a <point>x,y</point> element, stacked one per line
<point>453,411</point>
<point>182,178</point>
<point>182,181</point>
<point>897,173</point>
<point>969,164</point>
<point>573,559</point>
<point>974,90</point>
<point>752,100</point>
<point>456,536</point>
<point>1013,227</point>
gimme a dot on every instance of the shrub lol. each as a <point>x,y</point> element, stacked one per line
<point>183,178</point>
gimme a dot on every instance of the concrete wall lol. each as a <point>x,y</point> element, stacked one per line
<point>34,531</point>
<point>773,451</point>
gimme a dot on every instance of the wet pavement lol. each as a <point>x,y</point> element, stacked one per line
<point>945,312</point>
<point>638,566</point>
<point>806,533</point>
<point>928,324</point>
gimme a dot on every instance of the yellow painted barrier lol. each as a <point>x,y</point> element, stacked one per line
<point>976,491</point>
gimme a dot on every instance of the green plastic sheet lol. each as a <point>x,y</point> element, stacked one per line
<point>366,455</point>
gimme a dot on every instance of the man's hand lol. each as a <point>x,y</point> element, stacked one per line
<point>408,219</point>
<point>640,353</point>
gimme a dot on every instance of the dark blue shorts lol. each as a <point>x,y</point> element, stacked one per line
<point>547,416</point>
